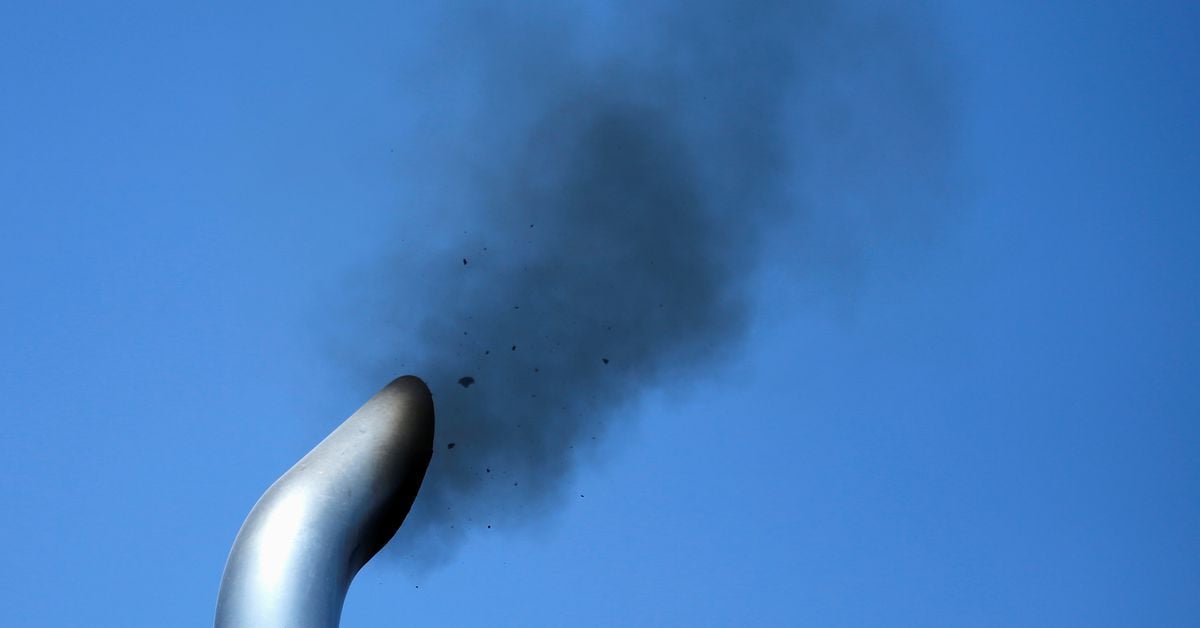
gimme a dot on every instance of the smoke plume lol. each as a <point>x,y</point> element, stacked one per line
<point>589,190</point>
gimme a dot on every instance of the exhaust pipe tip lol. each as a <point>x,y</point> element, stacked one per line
<point>317,525</point>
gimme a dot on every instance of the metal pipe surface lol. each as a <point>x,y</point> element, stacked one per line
<point>319,523</point>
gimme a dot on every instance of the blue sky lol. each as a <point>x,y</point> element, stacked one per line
<point>998,429</point>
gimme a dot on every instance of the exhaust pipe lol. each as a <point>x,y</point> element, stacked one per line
<point>317,525</point>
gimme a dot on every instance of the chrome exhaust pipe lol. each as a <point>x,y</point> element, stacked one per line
<point>317,525</point>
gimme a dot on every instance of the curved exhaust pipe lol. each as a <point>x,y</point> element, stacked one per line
<point>319,523</point>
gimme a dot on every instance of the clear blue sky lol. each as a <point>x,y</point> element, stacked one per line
<point>1004,431</point>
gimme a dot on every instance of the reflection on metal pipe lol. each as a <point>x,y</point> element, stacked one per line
<point>311,532</point>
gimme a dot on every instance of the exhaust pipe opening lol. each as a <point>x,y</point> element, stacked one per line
<point>317,525</point>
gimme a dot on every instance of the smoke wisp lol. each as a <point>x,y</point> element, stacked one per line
<point>590,190</point>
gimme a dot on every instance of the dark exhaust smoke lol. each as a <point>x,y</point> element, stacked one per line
<point>591,190</point>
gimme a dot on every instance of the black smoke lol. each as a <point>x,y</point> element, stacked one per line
<point>590,188</point>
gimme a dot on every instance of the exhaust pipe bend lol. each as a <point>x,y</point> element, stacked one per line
<point>319,523</point>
